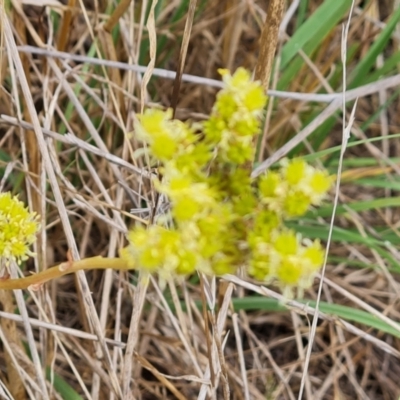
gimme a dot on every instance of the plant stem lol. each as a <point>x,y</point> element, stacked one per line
<point>35,281</point>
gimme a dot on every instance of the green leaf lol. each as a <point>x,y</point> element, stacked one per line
<point>309,37</point>
<point>358,206</point>
<point>357,76</point>
<point>315,28</point>
<point>62,387</point>
<point>348,313</point>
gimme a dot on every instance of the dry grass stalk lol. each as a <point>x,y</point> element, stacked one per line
<point>268,41</point>
<point>183,53</point>
<point>15,383</point>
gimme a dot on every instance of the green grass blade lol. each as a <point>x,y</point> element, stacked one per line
<point>315,28</point>
<point>357,206</point>
<point>336,149</point>
<point>337,310</point>
<point>389,68</point>
<point>364,65</point>
<point>309,37</point>
<point>62,387</point>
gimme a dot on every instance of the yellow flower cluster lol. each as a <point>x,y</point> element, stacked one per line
<point>294,188</point>
<point>18,228</point>
<point>220,220</point>
<point>235,118</point>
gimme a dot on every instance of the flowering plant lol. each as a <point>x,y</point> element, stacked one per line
<point>18,229</point>
<point>219,219</point>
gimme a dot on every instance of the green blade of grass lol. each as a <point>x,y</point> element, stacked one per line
<point>301,13</point>
<point>336,149</point>
<point>357,206</point>
<point>351,236</point>
<point>62,387</point>
<point>364,65</point>
<point>315,28</point>
<point>339,235</point>
<point>389,67</point>
<point>257,303</point>
<point>363,162</point>
<point>309,36</point>
<point>380,182</point>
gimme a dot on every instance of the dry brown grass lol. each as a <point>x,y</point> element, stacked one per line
<point>113,335</point>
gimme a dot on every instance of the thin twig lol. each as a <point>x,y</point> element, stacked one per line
<point>365,90</point>
<point>345,139</point>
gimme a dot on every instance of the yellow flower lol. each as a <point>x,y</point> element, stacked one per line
<point>320,183</point>
<point>286,243</point>
<point>18,228</point>
<point>313,257</point>
<point>304,178</point>
<point>289,271</point>
<point>269,185</point>
<point>295,171</point>
<point>219,218</point>
<point>236,117</point>
<point>164,135</point>
<point>296,203</point>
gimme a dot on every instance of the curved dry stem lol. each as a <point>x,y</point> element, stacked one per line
<point>36,280</point>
